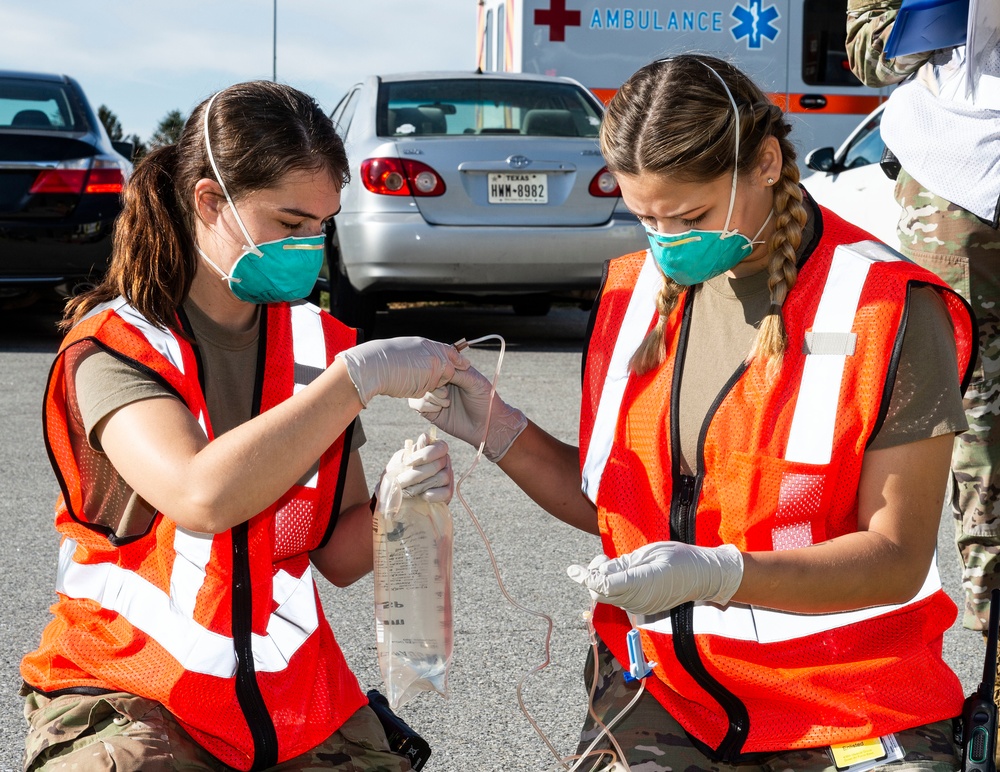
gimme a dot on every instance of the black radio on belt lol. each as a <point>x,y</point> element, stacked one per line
<point>976,735</point>
<point>402,739</point>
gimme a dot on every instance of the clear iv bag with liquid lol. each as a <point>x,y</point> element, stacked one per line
<point>413,622</point>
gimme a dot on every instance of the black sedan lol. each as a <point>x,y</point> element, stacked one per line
<point>61,178</point>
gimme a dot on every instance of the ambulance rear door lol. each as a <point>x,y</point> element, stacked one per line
<point>825,101</point>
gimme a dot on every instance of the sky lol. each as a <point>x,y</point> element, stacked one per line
<point>143,58</point>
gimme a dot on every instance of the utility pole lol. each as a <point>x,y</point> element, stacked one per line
<point>274,48</point>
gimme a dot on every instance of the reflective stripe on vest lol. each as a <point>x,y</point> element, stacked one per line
<point>161,340</point>
<point>810,439</point>
<point>309,352</point>
<point>169,618</point>
<point>750,623</point>
<point>641,306</point>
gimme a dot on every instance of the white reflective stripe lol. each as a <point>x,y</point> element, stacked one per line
<point>810,440</point>
<point>149,609</point>
<point>163,341</point>
<point>635,325</point>
<point>308,341</point>
<point>168,619</point>
<point>309,351</point>
<point>192,553</point>
<point>748,623</point>
<point>290,624</point>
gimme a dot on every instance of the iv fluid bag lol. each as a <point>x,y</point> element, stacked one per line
<point>413,622</point>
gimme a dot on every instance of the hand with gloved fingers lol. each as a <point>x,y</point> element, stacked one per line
<point>463,407</point>
<point>658,576</point>
<point>423,470</point>
<point>401,367</point>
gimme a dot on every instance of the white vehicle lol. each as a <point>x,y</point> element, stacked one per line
<point>852,184</point>
<point>794,49</point>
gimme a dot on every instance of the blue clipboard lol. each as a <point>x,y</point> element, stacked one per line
<point>927,25</point>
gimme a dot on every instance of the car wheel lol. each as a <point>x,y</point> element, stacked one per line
<point>532,305</point>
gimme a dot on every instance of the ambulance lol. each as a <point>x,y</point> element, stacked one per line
<point>793,49</point>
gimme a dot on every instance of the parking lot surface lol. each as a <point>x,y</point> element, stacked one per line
<point>480,726</point>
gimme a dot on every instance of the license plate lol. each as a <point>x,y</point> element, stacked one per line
<point>518,188</point>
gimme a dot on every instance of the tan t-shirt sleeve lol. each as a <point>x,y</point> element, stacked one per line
<point>105,383</point>
<point>926,398</point>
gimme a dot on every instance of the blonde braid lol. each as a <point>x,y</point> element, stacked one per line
<point>651,351</point>
<point>790,219</point>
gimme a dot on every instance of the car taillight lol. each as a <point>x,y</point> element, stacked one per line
<point>105,177</point>
<point>604,184</point>
<point>400,177</point>
<point>81,175</point>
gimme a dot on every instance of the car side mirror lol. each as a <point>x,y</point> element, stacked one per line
<point>821,159</point>
<point>127,149</point>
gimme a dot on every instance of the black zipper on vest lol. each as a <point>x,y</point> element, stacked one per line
<point>265,738</point>
<point>683,515</point>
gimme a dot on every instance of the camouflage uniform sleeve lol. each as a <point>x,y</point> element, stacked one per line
<point>869,23</point>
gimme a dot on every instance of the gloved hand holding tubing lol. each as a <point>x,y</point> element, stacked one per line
<point>657,577</point>
<point>461,408</point>
<point>400,367</point>
<point>423,470</point>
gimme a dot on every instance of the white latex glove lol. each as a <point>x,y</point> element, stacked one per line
<point>661,575</point>
<point>460,408</point>
<point>426,473</point>
<point>400,367</point>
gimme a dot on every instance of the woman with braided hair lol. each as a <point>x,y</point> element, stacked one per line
<point>769,402</point>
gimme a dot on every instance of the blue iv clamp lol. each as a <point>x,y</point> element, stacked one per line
<point>638,668</point>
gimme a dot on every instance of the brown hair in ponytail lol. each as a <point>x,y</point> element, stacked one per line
<point>673,117</point>
<point>260,131</point>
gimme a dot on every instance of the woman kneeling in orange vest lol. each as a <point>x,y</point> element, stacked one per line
<point>770,398</point>
<point>202,423</point>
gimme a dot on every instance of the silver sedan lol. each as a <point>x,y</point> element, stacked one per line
<point>473,185</point>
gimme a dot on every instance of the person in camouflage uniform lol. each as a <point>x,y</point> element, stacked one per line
<point>646,729</point>
<point>123,731</point>
<point>964,250</point>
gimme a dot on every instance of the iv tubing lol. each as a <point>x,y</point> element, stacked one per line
<point>489,550</point>
<point>605,729</point>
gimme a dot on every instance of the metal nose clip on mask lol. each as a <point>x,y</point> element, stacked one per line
<point>275,271</point>
<point>695,256</point>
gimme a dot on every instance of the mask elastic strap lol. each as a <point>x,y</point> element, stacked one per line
<point>760,230</point>
<point>251,246</point>
<point>736,110</point>
<point>222,274</point>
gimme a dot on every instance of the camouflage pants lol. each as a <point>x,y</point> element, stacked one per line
<point>654,742</point>
<point>965,252</point>
<point>126,733</point>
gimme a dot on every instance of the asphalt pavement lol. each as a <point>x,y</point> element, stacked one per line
<point>480,726</point>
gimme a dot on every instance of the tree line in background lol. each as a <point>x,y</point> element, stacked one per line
<point>168,131</point>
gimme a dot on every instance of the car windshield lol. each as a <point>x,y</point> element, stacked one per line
<point>37,105</point>
<point>485,106</point>
<point>866,148</point>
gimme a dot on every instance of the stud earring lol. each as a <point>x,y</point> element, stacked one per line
<point>770,180</point>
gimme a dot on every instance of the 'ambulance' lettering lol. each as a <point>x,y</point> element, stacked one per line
<point>649,19</point>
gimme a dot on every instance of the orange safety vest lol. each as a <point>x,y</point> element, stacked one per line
<point>226,630</point>
<point>778,468</point>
